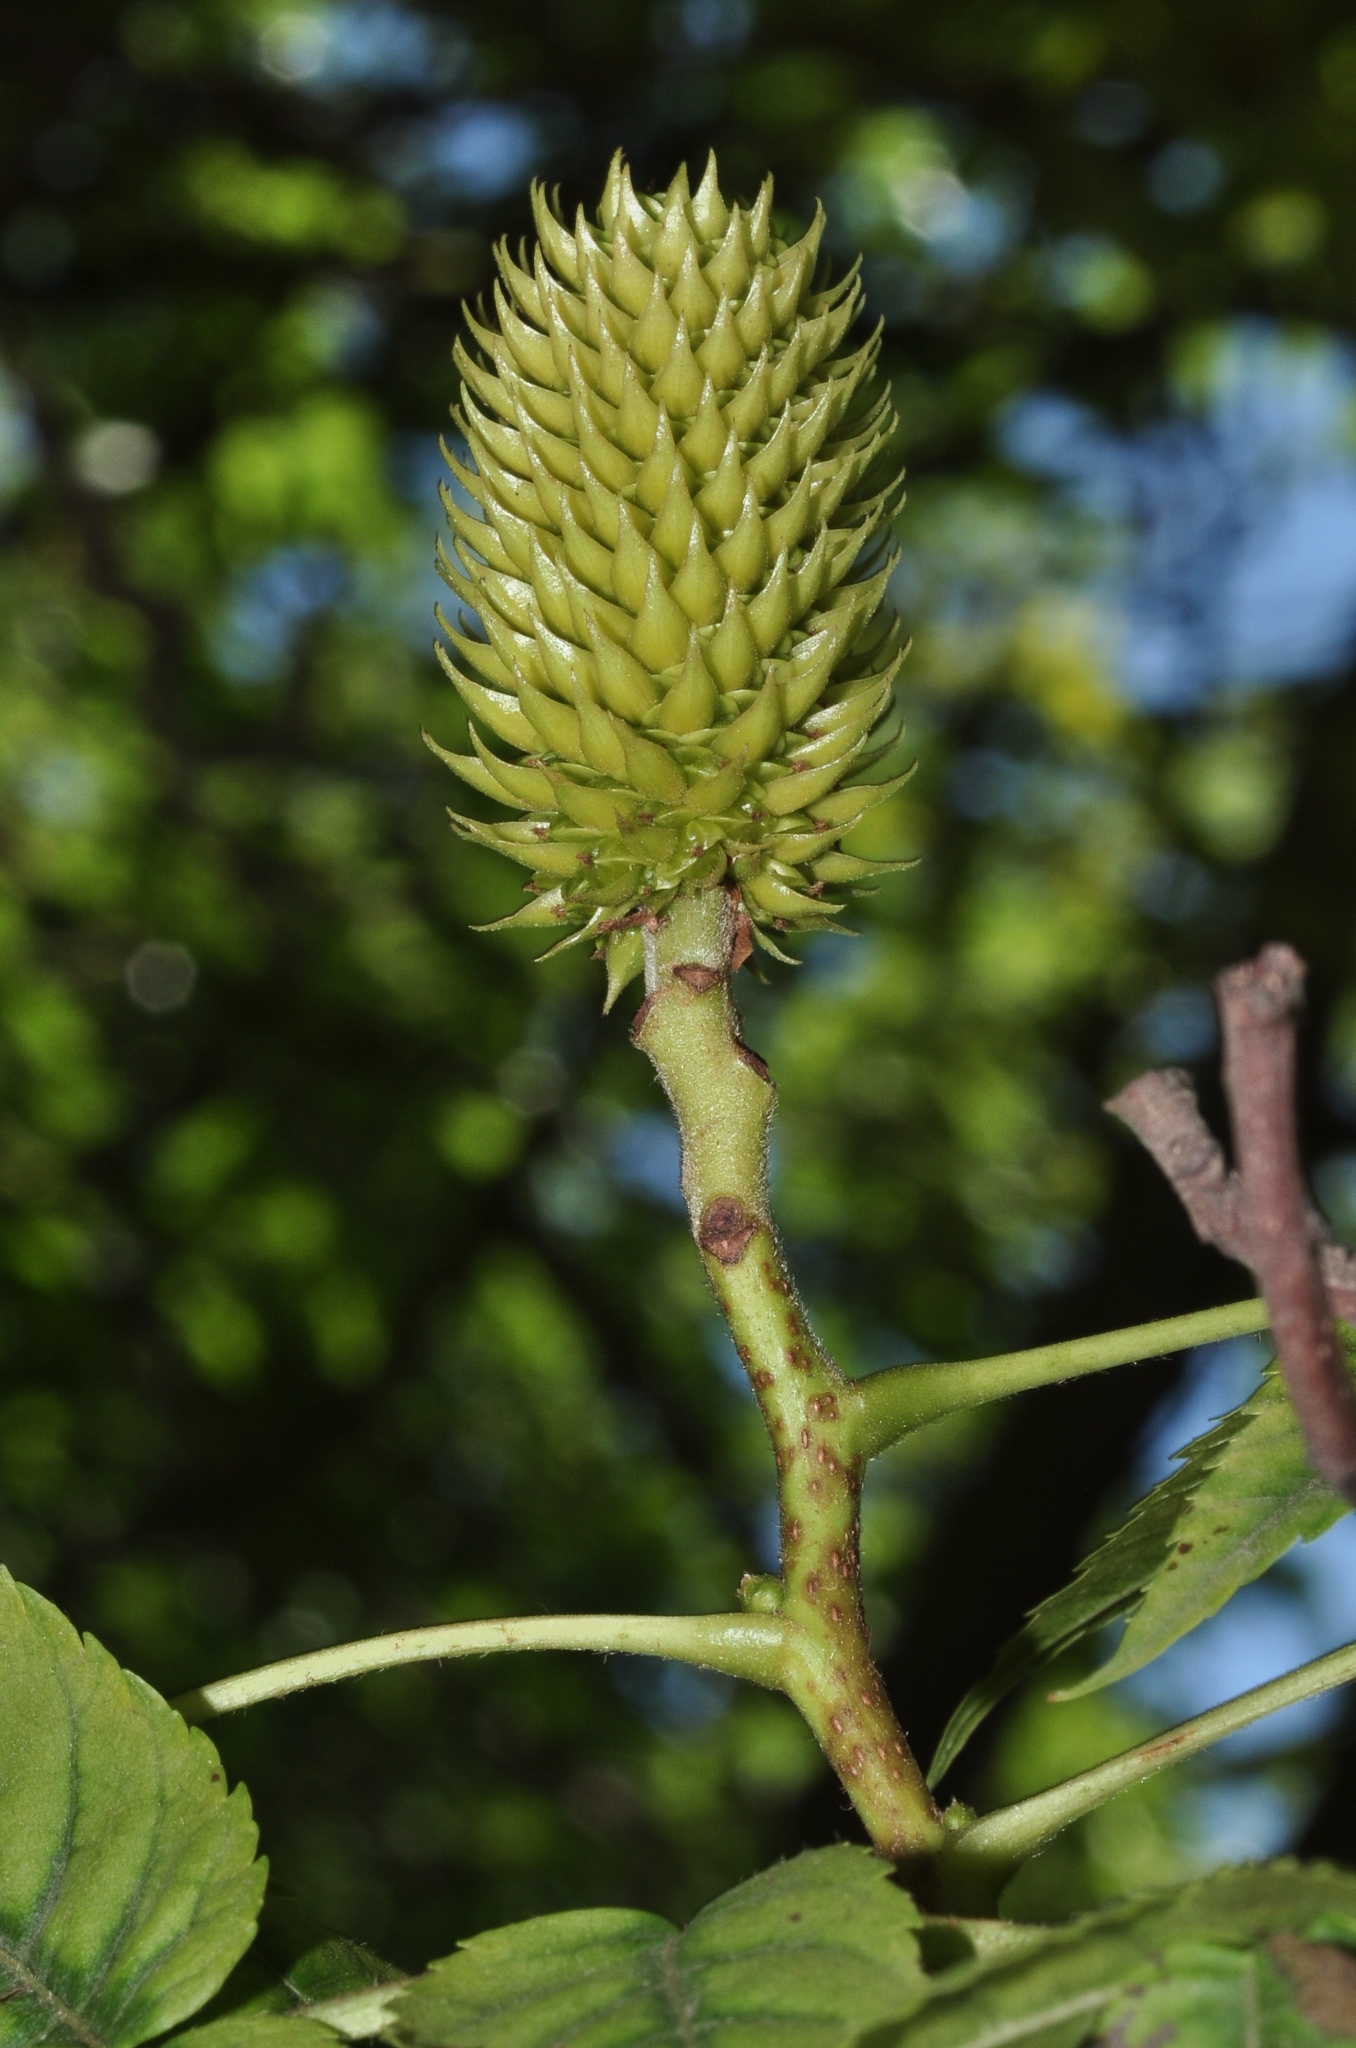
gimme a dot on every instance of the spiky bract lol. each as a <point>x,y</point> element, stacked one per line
<point>684,636</point>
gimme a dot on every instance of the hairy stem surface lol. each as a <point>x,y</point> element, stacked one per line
<point>723,1099</point>
<point>747,1646</point>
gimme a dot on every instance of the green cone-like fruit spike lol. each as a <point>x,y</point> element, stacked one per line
<point>681,642</point>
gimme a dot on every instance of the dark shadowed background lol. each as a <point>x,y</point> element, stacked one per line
<point>343,1281</point>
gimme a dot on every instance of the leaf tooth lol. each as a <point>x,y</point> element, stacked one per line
<point>527,789</point>
<point>655,330</point>
<point>804,787</point>
<point>809,581</point>
<point>538,853</point>
<point>691,296</point>
<point>652,481</point>
<point>753,321</point>
<point>613,360</point>
<point>722,354</point>
<point>769,612</point>
<point>488,387</point>
<point>728,271</point>
<point>587,557</point>
<point>603,507</point>
<point>531,350</point>
<point>610,202</point>
<point>479,534</point>
<point>505,444</point>
<point>650,769</point>
<point>566,315</point>
<point>519,281</point>
<point>539,405</point>
<point>747,410</point>
<point>499,490</point>
<point>674,238</point>
<point>557,724</point>
<point>549,588</point>
<point>635,222</point>
<point>637,414</point>
<point>625,958</point>
<point>794,268</point>
<point>704,442</point>
<point>623,685</point>
<point>710,215</point>
<point>678,386</point>
<point>758,223</point>
<point>671,533</point>
<point>690,703</point>
<point>787,523</point>
<point>554,236</point>
<point>585,605</point>
<point>659,636</point>
<point>599,737</point>
<point>609,463</point>
<point>778,899</point>
<point>752,736</point>
<point>769,466</point>
<point>631,279</point>
<point>743,553</point>
<point>732,654</point>
<point>784,372</point>
<point>699,588</point>
<point>564,665</point>
<point>630,562</point>
<point>721,500</point>
<point>496,709</point>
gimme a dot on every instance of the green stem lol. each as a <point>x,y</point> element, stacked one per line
<point>745,1646</point>
<point>889,1404</point>
<point>977,1862</point>
<point>723,1099</point>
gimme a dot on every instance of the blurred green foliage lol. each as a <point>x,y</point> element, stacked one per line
<point>344,1286</point>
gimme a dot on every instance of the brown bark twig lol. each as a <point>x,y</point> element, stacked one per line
<point>1258,1212</point>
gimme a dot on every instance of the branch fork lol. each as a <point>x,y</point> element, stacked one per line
<point>1258,1212</point>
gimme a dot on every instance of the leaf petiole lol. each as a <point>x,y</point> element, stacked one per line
<point>747,1646</point>
<point>890,1404</point>
<point>975,1864</point>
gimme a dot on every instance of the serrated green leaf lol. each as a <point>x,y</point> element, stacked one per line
<point>1243,1494</point>
<point>1211,1997</point>
<point>1257,1495</point>
<point>803,1956</point>
<point>1089,1980</point>
<point>128,1883</point>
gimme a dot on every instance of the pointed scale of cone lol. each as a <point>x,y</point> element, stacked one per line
<point>665,529</point>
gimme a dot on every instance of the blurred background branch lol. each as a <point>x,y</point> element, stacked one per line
<point>345,1280</point>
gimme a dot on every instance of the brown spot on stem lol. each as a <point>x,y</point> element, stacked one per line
<point>763,1379</point>
<point>812,1587</point>
<point>1183,1548</point>
<point>638,1021</point>
<point>836,1724</point>
<point>701,980</point>
<point>742,944</point>
<point>793,1532</point>
<point>726,1229</point>
<point>805,1440</point>
<point>835,1614</point>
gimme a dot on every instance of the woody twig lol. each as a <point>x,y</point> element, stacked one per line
<point>1258,1211</point>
